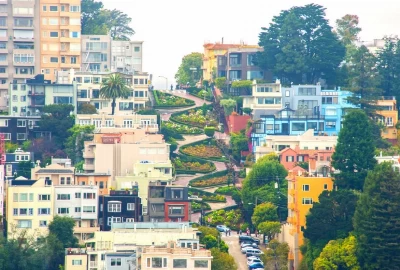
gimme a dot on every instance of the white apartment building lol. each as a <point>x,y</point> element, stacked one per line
<point>126,56</point>
<point>80,203</point>
<point>267,96</point>
<point>96,53</point>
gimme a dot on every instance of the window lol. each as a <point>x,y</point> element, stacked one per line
<point>89,195</point>
<point>77,195</point>
<point>24,197</point>
<point>116,262</point>
<point>89,209</point>
<point>44,197</point>
<point>74,34</point>
<point>329,100</point>
<point>77,209</point>
<point>287,93</point>
<point>73,59</point>
<point>312,125</point>
<point>24,58</point>
<point>298,126</point>
<point>306,187</point>
<point>24,224</point>
<point>176,210</point>
<point>137,49</point>
<point>330,124</point>
<point>63,196</point>
<point>62,100</point>
<point>125,106</point>
<point>53,59</point>
<point>130,206</point>
<point>53,21</point>
<point>113,220</point>
<point>300,158</point>
<point>157,262</point>
<point>307,91</point>
<point>177,193</point>
<point>63,210</point>
<point>325,186</point>
<point>15,211</point>
<point>264,89</point>
<point>77,262</point>
<point>307,201</point>
<point>53,8</point>
<point>21,123</point>
<point>114,207</point>
<point>43,211</point>
<point>23,11</point>
<point>289,158</point>
<point>42,223</point>
<point>179,263</point>
<point>74,8</point>
<point>200,264</point>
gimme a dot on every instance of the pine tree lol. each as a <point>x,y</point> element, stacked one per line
<point>354,152</point>
<point>377,219</point>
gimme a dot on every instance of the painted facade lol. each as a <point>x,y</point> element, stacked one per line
<point>389,117</point>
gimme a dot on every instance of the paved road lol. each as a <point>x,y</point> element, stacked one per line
<point>234,249</point>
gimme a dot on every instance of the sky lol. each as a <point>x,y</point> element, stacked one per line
<point>172,29</point>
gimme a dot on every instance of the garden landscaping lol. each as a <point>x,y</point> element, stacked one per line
<point>207,196</point>
<point>206,149</point>
<point>210,180</point>
<point>198,206</point>
<point>232,218</point>
<point>197,117</point>
<point>189,165</point>
<point>201,93</point>
<point>164,100</point>
<point>182,129</point>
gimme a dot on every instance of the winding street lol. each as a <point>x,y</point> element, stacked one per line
<point>183,180</point>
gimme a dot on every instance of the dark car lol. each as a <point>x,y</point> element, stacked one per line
<point>256,266</point>
<point>246,238</point>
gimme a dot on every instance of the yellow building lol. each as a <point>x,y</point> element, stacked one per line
<point>30,207</point>
<point>76,259</point>
<point>60,36</point>
<point>303,191</point>
<point>389,117</point>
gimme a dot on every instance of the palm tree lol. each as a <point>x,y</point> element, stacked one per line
<point>114,87</point>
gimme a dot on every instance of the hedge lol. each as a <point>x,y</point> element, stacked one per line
<point>194,92</point>
<point>209,176</point>
<point>205,206</point>
<point>203,142</point>
<point>158,104</point>
<point>174,115</point>
<point>185,158</point>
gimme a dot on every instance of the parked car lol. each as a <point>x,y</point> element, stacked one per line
<point>255,266</point>
<point>246,248</point>
<point>249,245</point>
<point>222,228</point>
<point>253,252</point>
<point>195,198</point>
<point>254,260</point>
<point>246,238</point>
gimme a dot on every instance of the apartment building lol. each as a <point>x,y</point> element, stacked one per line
<point>303,191</point>
<point>28,98</point>
<point>143,173</point>
<point>307,140</point>
<point>127,56</point>
<point>119,206</point>
<point>101,180</point>
<point>114,151</point>
<point>168,203</point>
<point>60,36</point>
<point>389,117</point>
<point>19,27</point>
<point>96,53</point>
<point>105,121</point>
<point>76,259</point>
<point>2,193</point>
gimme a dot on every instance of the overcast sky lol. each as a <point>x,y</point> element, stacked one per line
<point>171,29</point>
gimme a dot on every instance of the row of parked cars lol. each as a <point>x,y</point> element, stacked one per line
<point>249,247</point>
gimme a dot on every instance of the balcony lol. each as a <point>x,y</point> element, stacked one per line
<point>75,251</point>
<point>86,229</point>
<point>24,39</point>
<point>30,93</point>
<point>88,154</point>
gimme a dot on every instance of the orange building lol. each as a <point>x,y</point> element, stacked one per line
<point>60,36</point>
<point>303,191</point>
<point>389,117</point>
<point>102,180</point>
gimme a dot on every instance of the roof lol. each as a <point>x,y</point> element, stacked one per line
<point>22,182</point>
<point>219,46</point>
<point>92,174</point>
<point>55,171</point>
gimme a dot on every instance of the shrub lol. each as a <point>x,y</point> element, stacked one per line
<point>167,100</point>
<point>186,164</point>
<point>209,131</point>
<point>195,117</point>
<point>218,178</point>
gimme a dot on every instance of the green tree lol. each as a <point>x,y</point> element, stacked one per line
<point>299,46</point>
<point>354,151</point>
<point>330,218</point>
<point>75,142</point>
<point>24,169</point>
<point>303,164</point>
<point>58,120</point>
<point>220,82</point>
<point>63,228</point>
<point>377,219</point>
<point>269,229</point>
<point>347,29</point>
<point>11,147</point>
<point>238,142</point>
<point>228,105</point>
<point>222,260</point>
<point>276,256</point>
<point>118,24</point>
<point>87,108</point>
<point>114,87</point>
<point>338,254</point>
<point>364,80</point>
<point>389,68</point>
<point>264,212</point>
<point>185,74</point>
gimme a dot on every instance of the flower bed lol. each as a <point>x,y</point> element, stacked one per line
<point>164,100</point>
<point>196,117</point>
<point>213,198</point>
<point>182,129</point>
<point>214,179</point>
<point>206,149</point>
<point>190,165</point>
<point>231,218</point>
<point>198,206</point>
<point>197,92</point>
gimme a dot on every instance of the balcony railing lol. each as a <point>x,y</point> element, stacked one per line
<point>388,98</point>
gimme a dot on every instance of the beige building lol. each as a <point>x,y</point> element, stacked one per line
<point>276,143</point>
<point>76,259</point>
<point>114,151</point>
<point>60,36</point>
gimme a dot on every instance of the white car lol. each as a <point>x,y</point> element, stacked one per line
<point>254,259</point>
<point>195,198</point>
<point>248,245</point>
<point>244,249</point>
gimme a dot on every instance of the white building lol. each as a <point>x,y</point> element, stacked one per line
<point>266,96</point>
<point>126,56</point>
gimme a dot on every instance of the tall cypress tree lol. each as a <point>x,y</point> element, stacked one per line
<point>354,152</point>
<point>377,220</point>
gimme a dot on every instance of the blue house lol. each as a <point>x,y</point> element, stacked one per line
<point>12,162</point>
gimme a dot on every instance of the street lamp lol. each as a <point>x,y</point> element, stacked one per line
<point>166,82</point>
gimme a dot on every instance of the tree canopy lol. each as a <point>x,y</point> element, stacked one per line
<point>185,73</point>
<point>228,105</point>
<point>276,256</point>
<point>354,152</point>
<point>377,219</point>
<point>264,212</point>
<point>347,29</point>
<point>389,69</point>
<point>300,46</point>
<point>114,87</point>
<point>96,20</point>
